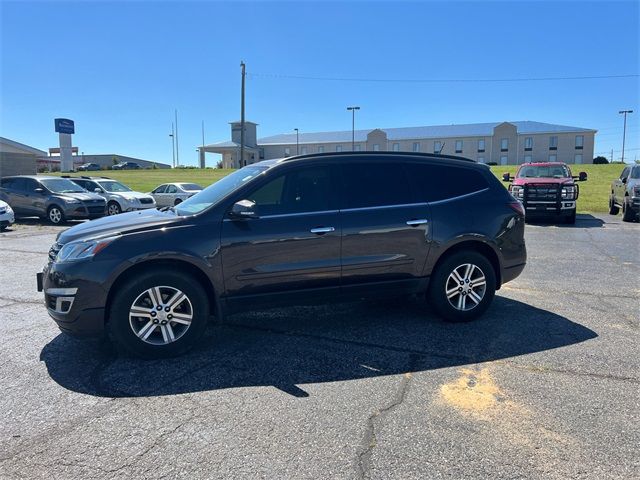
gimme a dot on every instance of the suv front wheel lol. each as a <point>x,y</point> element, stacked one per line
<point>158,314</point>
<point>462,286</point>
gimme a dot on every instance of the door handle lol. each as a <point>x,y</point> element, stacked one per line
<point>321,230</point>
<point>415,223</point>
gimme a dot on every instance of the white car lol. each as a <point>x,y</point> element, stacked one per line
<point>6,215</point>
<point>170,194</point>
<point>119,197</point>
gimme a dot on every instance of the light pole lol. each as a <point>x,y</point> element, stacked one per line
<point>297,141</point>
<point>173,146</point>
<point>353,126</point>
<point>624,130</point>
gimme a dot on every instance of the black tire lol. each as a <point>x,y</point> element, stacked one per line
<point>571,218</point>
<point>628,215</point>
<point>177,202</point>
<point>440,281</point>
<point>113,208</point>
<point>55,215</point>
<point>3,228</point>
<point>613,208</point>
<point>121,328</point>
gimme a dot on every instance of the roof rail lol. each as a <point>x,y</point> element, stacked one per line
<point>399,154</point>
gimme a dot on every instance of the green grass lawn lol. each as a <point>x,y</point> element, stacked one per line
<point>594,193</point>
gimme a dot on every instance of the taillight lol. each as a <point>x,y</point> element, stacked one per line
<point>517,207</point>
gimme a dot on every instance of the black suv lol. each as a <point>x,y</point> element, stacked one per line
<point>312,228</point>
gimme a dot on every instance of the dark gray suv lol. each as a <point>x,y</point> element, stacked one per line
<point>314,228</point>
<point>56,199</point>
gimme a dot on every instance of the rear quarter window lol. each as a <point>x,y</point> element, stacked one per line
<point>374,185</point>
<point>440,182</point>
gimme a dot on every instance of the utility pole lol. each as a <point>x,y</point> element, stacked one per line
<point>242,67</point>
<point>202,162</point>
<point>353,126</point>
<point>624,131</point>
<point>177,148</point>
<point>173,146</point>
<point>612,155</point>
<point>297,141</point>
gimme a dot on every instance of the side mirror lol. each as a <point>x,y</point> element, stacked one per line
<point>39,190</point>
<point>244,209</point>
<point>97,190</point>
<point>624,180</point>
<point>582,176</point>
<point>506,177</point>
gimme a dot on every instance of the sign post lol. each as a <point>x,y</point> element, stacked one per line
<point>65,128</point>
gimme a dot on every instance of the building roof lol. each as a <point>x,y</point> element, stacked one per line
<point>21,146</point>
<point>434,131</point>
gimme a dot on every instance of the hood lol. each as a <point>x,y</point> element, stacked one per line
<point>82,196</point>
<point>119,224</point>
<point>531,181</point>
<point>132,195</point>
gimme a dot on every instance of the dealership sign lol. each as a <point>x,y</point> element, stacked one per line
<point>64,125</point>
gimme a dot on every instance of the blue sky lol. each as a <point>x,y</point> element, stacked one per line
<point>119,69</point>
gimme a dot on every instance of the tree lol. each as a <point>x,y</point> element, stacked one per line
<point>114,159</point>
<point>600,160</point>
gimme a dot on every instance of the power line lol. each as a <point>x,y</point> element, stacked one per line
<point>435,80</point>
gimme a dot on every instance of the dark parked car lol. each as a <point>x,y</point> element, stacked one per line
<point>313,228</point>
<point>625,194</point>
<point>125,166</point>
<point>56,199</point>
<point>88,167</point>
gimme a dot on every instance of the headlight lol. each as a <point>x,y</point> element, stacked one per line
<point>568,193</point>
<point>636,191</point>
<point>517,191</point>
<point>83,249</point>
<point>71,200</point>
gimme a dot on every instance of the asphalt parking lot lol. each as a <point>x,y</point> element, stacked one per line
<point>545,385</point>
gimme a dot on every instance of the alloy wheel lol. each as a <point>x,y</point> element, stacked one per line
<point>55,215</point>
<point>465,287</point>
<point>113,209</point>
<point>160,315</point>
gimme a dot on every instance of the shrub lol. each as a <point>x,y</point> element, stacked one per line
<point>600,160</point>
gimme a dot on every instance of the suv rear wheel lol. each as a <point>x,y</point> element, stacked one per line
<point>158,314</point>
<point>462,286</point>
<point>613,208</point>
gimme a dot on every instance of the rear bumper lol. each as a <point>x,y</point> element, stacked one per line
<point>511,273</point>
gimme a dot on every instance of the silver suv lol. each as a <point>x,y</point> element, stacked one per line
<point>119,197</point>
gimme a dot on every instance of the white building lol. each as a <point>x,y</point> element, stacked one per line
<point>504,143</point>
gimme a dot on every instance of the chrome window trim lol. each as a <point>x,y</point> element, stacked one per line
<point>451,199</point>
<point>359,209</point>
<point>286,215</point>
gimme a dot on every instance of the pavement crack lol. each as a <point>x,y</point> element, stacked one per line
<point>370,439</point>
<point>568,371</point>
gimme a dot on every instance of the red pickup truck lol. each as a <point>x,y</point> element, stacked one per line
<point>546,189</point>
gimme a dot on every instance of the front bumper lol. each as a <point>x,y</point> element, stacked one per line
<point>634,204</point>
<point>562,207</point>
<point>85,211</point>
<point>7,219</point>
<point>73,302</point>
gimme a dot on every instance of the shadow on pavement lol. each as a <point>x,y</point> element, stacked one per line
<point>289,347</point>
<point>583,220</point>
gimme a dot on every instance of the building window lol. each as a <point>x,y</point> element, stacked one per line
<point>528,144</point>
<point>553,143</point>
<point>458,146</point>
<point>287,151</point>
<point>396,147</point>
<point>504,160</point>
<point>338,148</point>
<point>504,145</point>
<point>303,151</point>
<point>481,145</point>
<point>261,153</point>
<point>416,146</point>
<point>376,147</point>
<point>480,159</point>
<point>527,159</point>
<point>437,146</point>
<point>579,142</point>
<point>357,148</point>
<point>578,158</point>
<point>321,149</point>
<point>553,158</point>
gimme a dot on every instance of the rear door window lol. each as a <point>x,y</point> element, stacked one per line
<point>171,189</point>
<point>374,185</point>
<point>440,182</point>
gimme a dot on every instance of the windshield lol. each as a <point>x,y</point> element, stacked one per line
<point>635,172</point>
<point>61,185</point>
<point>216,192</point>
<point>544,171</point>
<point>114,187</point>
<point>190,186</point>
